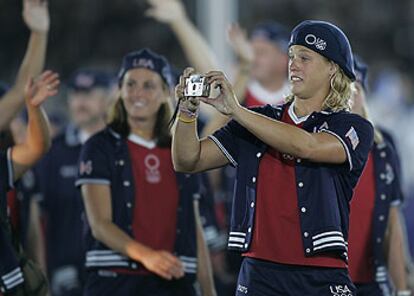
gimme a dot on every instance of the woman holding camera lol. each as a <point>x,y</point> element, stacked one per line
<point>142,233</point>
<point>297,165</point>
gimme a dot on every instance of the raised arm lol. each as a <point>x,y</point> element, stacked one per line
<point>37,140</point>
<point>97,200</point>
<point>36,17</point>
<point>197,51</point>
<point>244,52</point>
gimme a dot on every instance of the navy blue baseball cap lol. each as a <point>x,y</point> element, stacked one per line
<point>87,79</point>
<point>327,40</point>
<point>4,88</point>
<point>145,58</point>
<point>361,71</point>
<point>273,32</point>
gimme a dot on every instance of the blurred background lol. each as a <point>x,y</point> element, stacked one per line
<point>97,33</point>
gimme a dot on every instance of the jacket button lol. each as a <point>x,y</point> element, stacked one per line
<point>258,155</point>
<point>300,184</point>
<point>307,250</point>
<point>303,209</point>
<point>379,240</point>
<point>254,179</point>
<point>129,205</point>
<point>126,183</point>
<point>298,160</point>
<point>178,231</point>
<point>245,246</point>
<point>134,265</point>
<point>252,204</point>
<point>381,218</point>
<point>249,229</point>
<point>121,162</point>
<point>382,176</point>
<point>383,154</point>
<point>305,234</point>
<point>383,196</point>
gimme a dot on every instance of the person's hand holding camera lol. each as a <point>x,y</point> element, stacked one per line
<point>194,88</point>
<point>188,106</point>
<point>226,102</point>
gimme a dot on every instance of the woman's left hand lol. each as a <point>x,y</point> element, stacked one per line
<point>226,102</point>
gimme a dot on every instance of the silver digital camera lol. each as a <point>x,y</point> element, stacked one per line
<point>196,86</point>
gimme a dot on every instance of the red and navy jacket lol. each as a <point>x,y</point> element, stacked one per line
<point>387,194</point>
<point>105,160</point>
<point>11,274</point>
<point>324,190</point>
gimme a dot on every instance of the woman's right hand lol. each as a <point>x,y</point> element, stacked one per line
<point>188,105</point>
<point>36,15</point>
<point>167,11</point>
<point>162,263</point>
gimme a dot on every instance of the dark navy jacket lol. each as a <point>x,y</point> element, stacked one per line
<point>387,193</point>
<point>11,274</point>
<point>61,202</point>
<point>324,190</point>
<point>105,160</point>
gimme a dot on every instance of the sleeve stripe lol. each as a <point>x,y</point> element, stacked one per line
<point>10,168</point>
<point>92,181</point>
<point>396,203</point>
<point>224,150</point>
<point>343,144</point>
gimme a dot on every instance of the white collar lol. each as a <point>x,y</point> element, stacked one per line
<point>294,117</point>
<point>268,97</point>
<point>150,144</point>
<point>83,136</point>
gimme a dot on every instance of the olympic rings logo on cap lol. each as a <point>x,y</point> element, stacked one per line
<point>318,42</point>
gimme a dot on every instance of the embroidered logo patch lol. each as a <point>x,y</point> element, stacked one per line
<point>242,289</point>
<point>353,138</point>
<point>319,43</point>
<point>152,163</point>
<point>340,290</point>
<point>85,167</point>
<point>143,63</point>
<point>389,174</point>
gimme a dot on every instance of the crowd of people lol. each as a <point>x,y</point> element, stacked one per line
<point>277,182</point>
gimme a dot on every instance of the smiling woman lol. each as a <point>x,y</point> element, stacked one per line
<point>144,97</point>
<point>142,237</point>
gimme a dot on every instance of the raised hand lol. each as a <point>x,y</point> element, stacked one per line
<point>37,91</point>
<point>163,264</point>
<point>166,11</point>
<point>240,43</point>
<point>36,15</point>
